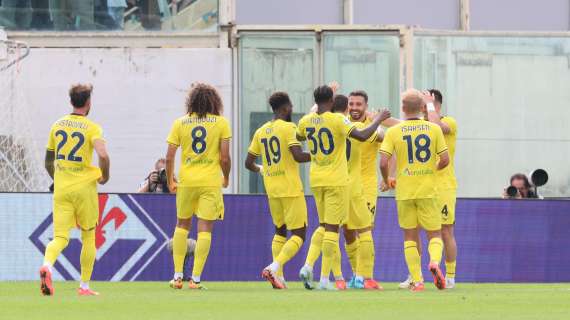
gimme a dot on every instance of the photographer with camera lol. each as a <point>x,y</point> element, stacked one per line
<point>520,188</point>
<point>156,181</point>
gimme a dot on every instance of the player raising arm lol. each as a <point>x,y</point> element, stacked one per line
<point>204,137</point>
<point>75,200</point>
<point>416,143</point>
<point>326,134</point>
<point>280,151</point>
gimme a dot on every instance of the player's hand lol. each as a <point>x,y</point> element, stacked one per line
<point>384,186</point>
<point>153,177</point>
<point>260,169</point>
<point>428,97</point>
<point>103,180</point>
<point>226,182</point>
<point>382,115</point>
<point>334,86</point>
<point>172,186</point>
<point>392,183</point>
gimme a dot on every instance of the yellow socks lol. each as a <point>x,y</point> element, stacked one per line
<point>179,249</point>
<point>435,249</point>
<point>413,260</point>
<point>289,250</point>
<point>352,252</point>
<point>336,267</point>
<point>54,248</point>
<point>366,256</point>
<point>450,269</point>
<point>276,246</point>
<point>201,254</point>
<point>330,248</point>
<point>315,247</point>
<point>88,252</point>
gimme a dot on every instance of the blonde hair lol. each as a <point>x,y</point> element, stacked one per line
<point>412,101</point>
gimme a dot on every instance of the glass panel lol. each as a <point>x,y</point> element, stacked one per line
<point>510,98</point>
<point>268,63</point>
<point>91,15</point>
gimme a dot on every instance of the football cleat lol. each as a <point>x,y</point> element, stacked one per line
<point>306,276</point>
<point>176,283</point>
<point>449,283</point>
<point>195,285</point>
<point>351,283</point>
<point>438,278</point>
<point>46,285</point>
<point>371,284</point>
<point>268,275</point>
<point>326,287</point>
<point>417,287</point>
<point>359,282</point>
<point>87,292</point>
<point>282,279</point>
<point>340,284</point>
<point>407,283</point>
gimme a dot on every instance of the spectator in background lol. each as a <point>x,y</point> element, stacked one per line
<point>524,190</point>
<point>72,14</point>
<point>116,9</point>
<point>16,14</point>
<point>156,181</point>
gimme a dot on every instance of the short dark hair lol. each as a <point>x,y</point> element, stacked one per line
<point>323,94</point>
<point>79,94</point>
<point>278,100</point>
<point>359,93</point>
<point>437,95</point>
<point>203,99</point>
<point>340,103</point>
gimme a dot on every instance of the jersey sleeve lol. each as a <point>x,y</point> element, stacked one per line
<point>301,128</point>
<point>226,130</point>
<point>51,141</point>
<point>254,147</point>
<point>96,133</point>
<point>387,146</point>
<point>173,136</point>
<point>440,145</point>
<point>451,123</point>
<point>346,126</point>
<point>291,136</point>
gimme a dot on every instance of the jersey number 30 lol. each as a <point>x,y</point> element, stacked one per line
<point>317,140</point>
<point>421,143</point>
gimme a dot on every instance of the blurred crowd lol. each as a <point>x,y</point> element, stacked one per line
<point>71,15</point>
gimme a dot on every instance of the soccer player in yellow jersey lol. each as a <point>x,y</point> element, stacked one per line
<point>417,144</point>
<point>326,134</point>
<point>280,151</point>
<point>357,230</point>
<point>447,183</point>
<point>204,137</point>
<point>72,140</point>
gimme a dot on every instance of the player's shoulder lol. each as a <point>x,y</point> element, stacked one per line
<point>450,121</point>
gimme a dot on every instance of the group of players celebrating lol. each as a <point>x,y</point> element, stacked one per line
<point>344,141</point>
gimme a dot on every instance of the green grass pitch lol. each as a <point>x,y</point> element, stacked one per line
<point>256,300</point>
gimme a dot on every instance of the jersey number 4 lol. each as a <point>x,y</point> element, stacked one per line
<point>422,152</point>
<point>71,156</point>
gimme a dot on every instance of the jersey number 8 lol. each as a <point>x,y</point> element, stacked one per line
<point>198,140</point>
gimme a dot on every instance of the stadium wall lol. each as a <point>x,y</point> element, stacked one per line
<point>138,92</point>
<point>499,240</point>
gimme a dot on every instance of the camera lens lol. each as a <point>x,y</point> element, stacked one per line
<point>512,191</point>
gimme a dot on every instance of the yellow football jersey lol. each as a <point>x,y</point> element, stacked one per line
<point>72,138</point>
<point>354,153</point>
<point>416,144</point>
<point>280,170</point>
<point>446,177</point>
<point>199,139</point>
<point>326,136</point>
<point>369,154</point>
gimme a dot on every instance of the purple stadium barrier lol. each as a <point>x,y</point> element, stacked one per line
<point>498,240</point>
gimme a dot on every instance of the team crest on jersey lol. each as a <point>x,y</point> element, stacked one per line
<point>126,239</point>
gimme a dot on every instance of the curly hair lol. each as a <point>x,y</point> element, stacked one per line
<point>203,99</point>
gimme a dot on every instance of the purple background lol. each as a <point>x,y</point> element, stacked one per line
<point>498,240</point>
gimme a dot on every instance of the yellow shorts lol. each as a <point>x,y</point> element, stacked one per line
<point>79,207</point>
<point>359,216</point>
<point>289,211</point>
<point>422,212</point>
<point>332,204</point>
<point>446,203</point>
<point>371,198</point>
<point>207,203</point>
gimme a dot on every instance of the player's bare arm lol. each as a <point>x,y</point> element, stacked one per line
<point>250,163</point>
<point>299,155</point>
<point>104,160</point>
<point>364,134</point>
<point>443,160</point>
<point>170,158</point>
<point>390,122</point>
<point>432,113</point>
<point>225,161</point>
<point>48,162</point>
<point>385,170</point>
